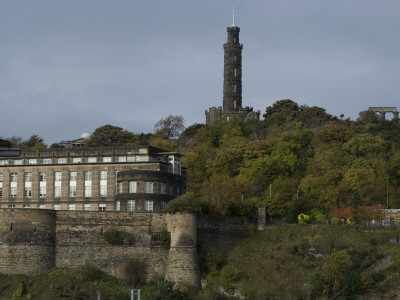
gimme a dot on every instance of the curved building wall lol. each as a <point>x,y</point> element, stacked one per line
<point>147,191</point>
<point>27,239</point>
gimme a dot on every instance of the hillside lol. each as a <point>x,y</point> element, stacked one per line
<point>299,159</point>
<point>311,262</point>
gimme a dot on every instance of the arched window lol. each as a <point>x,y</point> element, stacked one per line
<point>235,88</point>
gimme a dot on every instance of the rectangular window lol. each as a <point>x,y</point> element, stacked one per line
<point>42,191</point>
<point>13,177</point>
<point>76,160</point>
<point>103,190</point>
<point>57,184</point>
<point>28,177</point>
<point>47,161</point>
<point>26,206</point>
<point>103,183</point>
<point>92,159</point>
<point>72,176</point>
<point>11,206</point>
<point>56,206</point>
<point>88,191</point>
<point>117,206</point>
<point>102,207</point>
<point>1,191</point>
<point>62,160</point>
<point>42,176</point>
<point>28,192</point>
<point>103,175</point>
<point>86,206</point>
<point>131,205</point>
<point>57,192</point>
<point>130,159</point>
<point>57,176</point>
<point>148,187</point>
<point>71,206</point>
<point>162,188</point>
<point>1,177</point>
<point>32,161</point>
<point>132,187</point>
<point>88,175</point>
<point>163,204</point>
<point>17,162</point>
<point>121,187</point>
<point>107,159</point>
<point>137,158</point>
<point>72,191</point>
<point>3,162</point>
<point>122,159</point>
<point>42,206</point>
<point>148,205</point>
<point>13,192</point>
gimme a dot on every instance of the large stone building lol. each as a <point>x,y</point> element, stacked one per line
<point>232,98</point>
<point>137,178</point>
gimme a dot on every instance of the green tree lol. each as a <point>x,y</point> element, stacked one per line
<point>368,116</point>
<point>35,142</point>
<point>281,112</point>
<point>109,135</point>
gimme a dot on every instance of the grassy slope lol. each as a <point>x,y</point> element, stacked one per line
<point>275,263</point>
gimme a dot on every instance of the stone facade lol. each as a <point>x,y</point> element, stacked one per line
<point>34,241</point>
<point>232,88</point>
<point>87,178</point>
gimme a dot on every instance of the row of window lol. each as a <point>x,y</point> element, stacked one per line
<point>131,205</point>
<point>75,160</point>
<point>165,188</point>
<point>57,184</point>
<point>86,206</point>
<point>57,176</point>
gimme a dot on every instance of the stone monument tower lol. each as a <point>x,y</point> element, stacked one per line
<point>232,98</point>
<point>232,71</point>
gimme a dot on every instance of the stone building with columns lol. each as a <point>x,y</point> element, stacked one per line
<point>383,110</point>
<point>131,179</point>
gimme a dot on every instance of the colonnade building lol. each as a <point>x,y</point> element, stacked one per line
<point>136,178</point>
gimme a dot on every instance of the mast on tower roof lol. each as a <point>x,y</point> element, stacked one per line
<point>233,18</point>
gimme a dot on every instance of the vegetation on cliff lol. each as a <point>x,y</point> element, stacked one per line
<point>310,262</point>
<point>297,160</point>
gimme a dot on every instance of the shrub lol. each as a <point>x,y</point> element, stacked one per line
<point>164,290</point>
<point>19,293</point>
<point>229,277</point>
<point>303,218</point>
<point>117,237</point>
<point>350,221</point>
<point>133,272</point>
<point>213,261</point>
<point>335,221</point>
<point>90,272</point>
<point>165,238</point>
<point>113,237</point>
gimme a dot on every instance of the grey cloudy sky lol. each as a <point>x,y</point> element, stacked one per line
<point>70,66</point>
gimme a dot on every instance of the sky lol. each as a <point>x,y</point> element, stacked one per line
<point>70,66</point>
